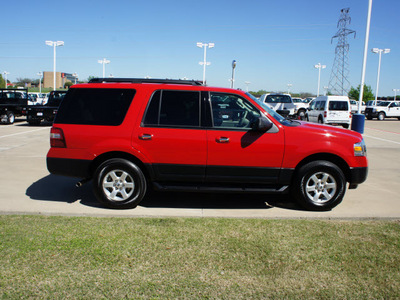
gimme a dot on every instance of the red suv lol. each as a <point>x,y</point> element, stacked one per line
<point>131,135</point>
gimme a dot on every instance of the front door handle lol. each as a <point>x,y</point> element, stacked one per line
<point>223,140</point>
<point>146,136</point>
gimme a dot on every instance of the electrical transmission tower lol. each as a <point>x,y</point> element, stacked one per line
<point>338,82</point>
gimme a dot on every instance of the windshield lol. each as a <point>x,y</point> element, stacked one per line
<point>269,110</point>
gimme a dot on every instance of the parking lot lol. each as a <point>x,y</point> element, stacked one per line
<point>28,188</point>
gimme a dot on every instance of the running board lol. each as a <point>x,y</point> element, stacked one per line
<point>220,189</point>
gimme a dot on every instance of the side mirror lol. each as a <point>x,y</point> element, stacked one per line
<point>261,124</point>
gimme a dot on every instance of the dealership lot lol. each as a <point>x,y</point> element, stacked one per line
<point>27,187</point>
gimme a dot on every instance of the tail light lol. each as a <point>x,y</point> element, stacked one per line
<point>57,139</point>
<point>325,114</point>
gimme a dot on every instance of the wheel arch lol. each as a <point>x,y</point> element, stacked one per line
<point>118,154</point>
<point>337,160</point>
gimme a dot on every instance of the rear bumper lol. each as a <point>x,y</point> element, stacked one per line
<point>69,167</point>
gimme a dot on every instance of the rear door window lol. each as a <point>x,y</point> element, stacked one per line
<point>173,108</point>
<point>88,106</point>
<point>339,105</point>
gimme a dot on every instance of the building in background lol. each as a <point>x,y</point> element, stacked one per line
<point>61,79</point>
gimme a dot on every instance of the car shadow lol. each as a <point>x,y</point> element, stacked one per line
<point>62,189</point>
<point>42,124</point>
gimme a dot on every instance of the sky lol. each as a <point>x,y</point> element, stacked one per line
<point>275,43</point>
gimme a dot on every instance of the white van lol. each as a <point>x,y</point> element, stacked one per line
<point>334,110</point>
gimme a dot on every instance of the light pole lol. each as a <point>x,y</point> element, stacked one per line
<point>319,67</point>
<point>103,62</point>
<point>40,74</point>
<point>395,93</point>
<point>75,76</point>
<point>54,44</point>
<point>379,51</point>
<point>204,63</point>
<point>289,85</point>
<point>247,85</point>
<point>233,73</point>
<point>5,77</point>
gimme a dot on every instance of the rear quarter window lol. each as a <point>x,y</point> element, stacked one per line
<point>339,105</point>
<point>88,106</point>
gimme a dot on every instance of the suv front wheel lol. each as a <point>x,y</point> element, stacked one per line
<point>319,185</point>
<point>119,183</point>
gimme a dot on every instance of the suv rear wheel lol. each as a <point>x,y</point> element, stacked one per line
<point>319,185</point>
<point>119,183</point>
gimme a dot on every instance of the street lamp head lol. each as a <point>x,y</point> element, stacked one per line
<point>56,44</point>
<point>375,50</point>
<point>211,45</point>
<point>386,51</point>
<point>233,64</point>
<point>200,45</point>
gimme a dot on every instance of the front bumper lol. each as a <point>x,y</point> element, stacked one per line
<point>358,175</point>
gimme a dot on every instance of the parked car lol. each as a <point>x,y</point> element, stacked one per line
<point>373,102</point>
<point>354,106</point>
<point>308,100</point>
<point>301,108</point>
<point>13,103</point>
<point>37,113</point>
<point>384,109</point>
<point>284,105</point>
<point>131,135</point>
<point>333,110</point>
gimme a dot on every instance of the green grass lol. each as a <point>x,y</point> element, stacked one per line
<point>71,257</point>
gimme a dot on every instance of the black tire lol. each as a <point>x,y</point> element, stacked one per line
<point>326,185</point>
<point>381,116</point>
<point>346,126</point>
<point>119,183</point>
<point>320,120</point>
<point>369,118</point>
<point>301,114</point>
<point>10,117</point>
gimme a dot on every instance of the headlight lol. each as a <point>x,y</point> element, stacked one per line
<point>360,149</point>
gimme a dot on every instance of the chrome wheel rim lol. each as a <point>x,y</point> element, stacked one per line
<point>321,187</point>
<point>118,185</point>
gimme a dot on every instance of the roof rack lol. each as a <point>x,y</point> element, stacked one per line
<point>146,80</point>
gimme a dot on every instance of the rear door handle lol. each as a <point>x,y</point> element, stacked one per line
<point>223,140</point>
<point>146,136</point>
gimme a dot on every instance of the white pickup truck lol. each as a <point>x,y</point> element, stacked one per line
<point>284,105</point>
<point>384,109</point>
